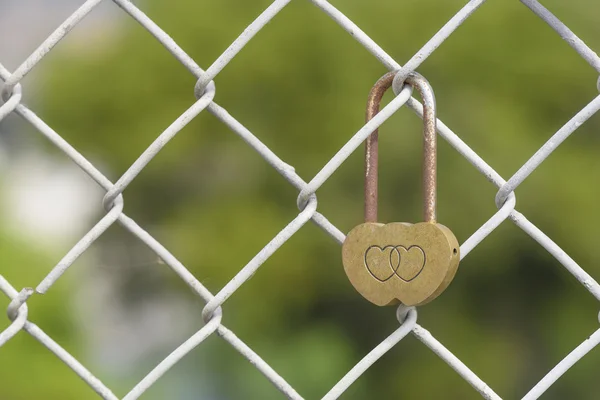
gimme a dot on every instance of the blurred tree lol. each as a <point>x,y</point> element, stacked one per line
<point>504,82</point>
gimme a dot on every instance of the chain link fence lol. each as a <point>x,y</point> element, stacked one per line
<point>307,199</point>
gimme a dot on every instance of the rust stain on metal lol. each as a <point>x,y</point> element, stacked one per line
<point>429,145</point>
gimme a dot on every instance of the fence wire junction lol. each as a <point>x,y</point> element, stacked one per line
<point>307,200</point>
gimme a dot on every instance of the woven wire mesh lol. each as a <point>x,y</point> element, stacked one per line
<point>307,200</point>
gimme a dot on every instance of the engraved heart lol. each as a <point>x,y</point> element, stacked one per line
<point>412,262</point>
<point>382,262</point>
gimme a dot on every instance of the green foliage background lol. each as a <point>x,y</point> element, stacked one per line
<point>504,82</point>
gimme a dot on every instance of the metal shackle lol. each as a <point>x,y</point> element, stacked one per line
<point>429,145</point>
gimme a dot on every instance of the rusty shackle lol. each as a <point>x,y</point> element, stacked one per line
<point>429,145</point>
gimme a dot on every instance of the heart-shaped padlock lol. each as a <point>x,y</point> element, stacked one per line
<point>401,262</point>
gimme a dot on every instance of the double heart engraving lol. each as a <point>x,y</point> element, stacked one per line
<point>385,262</point>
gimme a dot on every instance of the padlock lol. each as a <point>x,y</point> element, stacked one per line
<point>401,262</point>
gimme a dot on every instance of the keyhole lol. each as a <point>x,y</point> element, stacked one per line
<point>455,251</point>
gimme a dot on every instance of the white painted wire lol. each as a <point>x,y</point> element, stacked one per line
<point>307,200</point>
